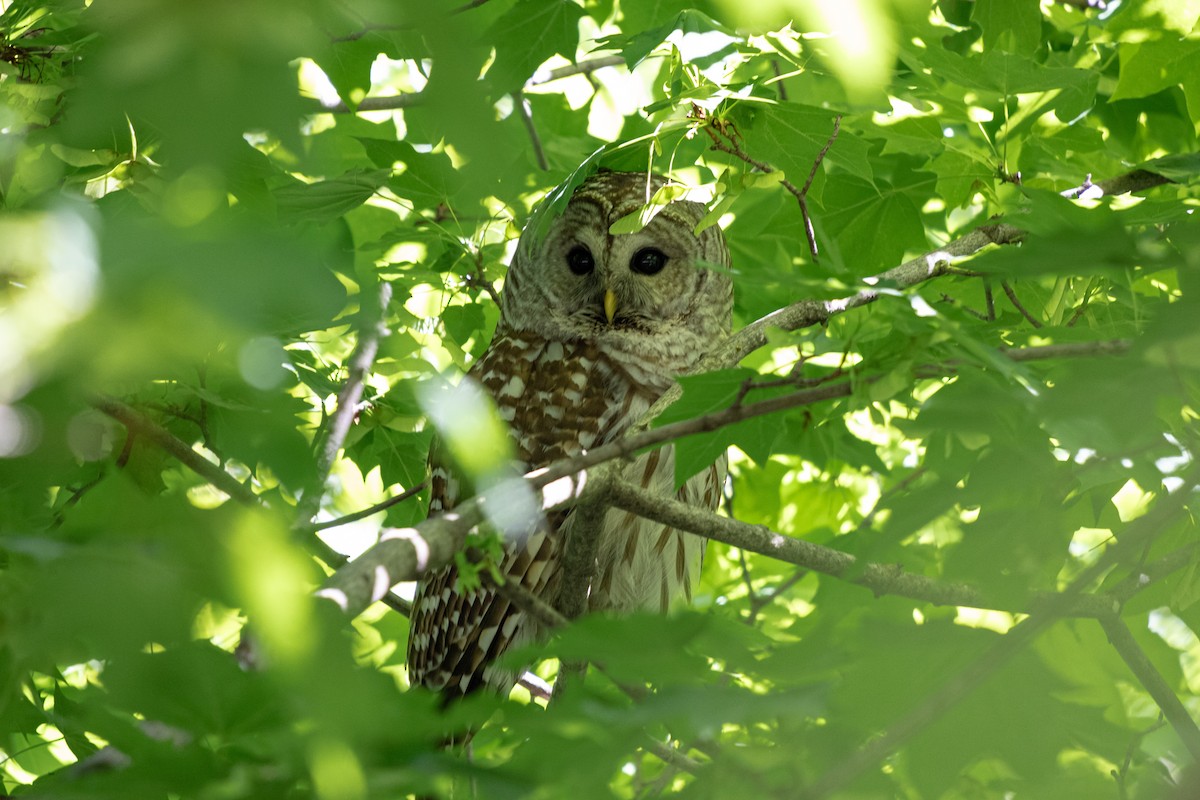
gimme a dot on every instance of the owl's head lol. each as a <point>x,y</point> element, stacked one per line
<point>580,281</point>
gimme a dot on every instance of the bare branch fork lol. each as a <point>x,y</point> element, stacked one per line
<point>727,143</point>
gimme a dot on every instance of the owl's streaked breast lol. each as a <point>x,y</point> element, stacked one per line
<point>559,398</point>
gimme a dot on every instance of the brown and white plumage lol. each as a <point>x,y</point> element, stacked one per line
<point>585,345</point>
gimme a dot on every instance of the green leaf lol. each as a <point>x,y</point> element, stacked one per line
<point>1180,168</point>
<point>960,177</point>
<point>427,178</point>
<point>874,226</point>
<point>1012,25</point>
<point>528,34</point>
<point>327,200</point>
<point>790,136</point>
<point>1150,67</point>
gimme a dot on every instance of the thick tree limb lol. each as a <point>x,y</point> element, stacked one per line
<point>401,554</point>
<point>579,553</point>
<point>881,579</point>
<point>1138,180</point>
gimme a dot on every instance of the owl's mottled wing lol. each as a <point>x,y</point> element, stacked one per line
<point>457,636</point>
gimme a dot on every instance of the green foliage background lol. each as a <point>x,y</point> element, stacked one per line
<point>187,227</point>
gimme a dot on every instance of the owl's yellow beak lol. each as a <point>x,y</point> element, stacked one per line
<point>610,305</point>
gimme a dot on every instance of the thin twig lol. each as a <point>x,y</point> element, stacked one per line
<point>1082,309</point>
<point>779,87</point>
<point>675,758</point>
<point>725,143</point>
<point>371,330</point>
<point>468,6</point>
<point>580,68</point>
<point>388,103</point>
<point>346,519</point>
<point>809,233</point>
<point>479,278</point>
<point>1135,658</point>
<point>138,423</point>
<point>354,36</point>
<point>1012,298</point>
<point>1120,775</point>
<point>523,110</point>
<point>812,173</point>
<point>410,99</point>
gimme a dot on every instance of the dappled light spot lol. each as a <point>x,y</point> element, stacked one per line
<point>20,431</point>
<point>261,362</point>
<point>89,436</point>
<point>337,596</point>
<point>412,536</point>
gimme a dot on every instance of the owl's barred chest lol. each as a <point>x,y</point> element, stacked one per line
<point>563,397</point>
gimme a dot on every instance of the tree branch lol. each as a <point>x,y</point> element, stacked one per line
<point>371,330</point>
<point>398,101</point>
<point>812,312</point>
<point>567,482</point>
<point>522,107</point>
<point>389,103</point>
<point>401,554</point>
<point>346,519</point>
<point>1136,535</point>
<point>1140,665</point>
<point>1137,180</point>
<point>579,68</point>
<point>880,579</point>
<point>1012,298</point>
<point>140,424</point>
<point>726,143</point>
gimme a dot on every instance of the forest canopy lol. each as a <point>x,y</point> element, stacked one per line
<point>242,244</point>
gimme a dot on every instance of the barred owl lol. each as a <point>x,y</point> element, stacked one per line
<point>593,328</point>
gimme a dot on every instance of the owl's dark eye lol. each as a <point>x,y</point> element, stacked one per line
<point>648,261</point>
<point>579,260</point>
